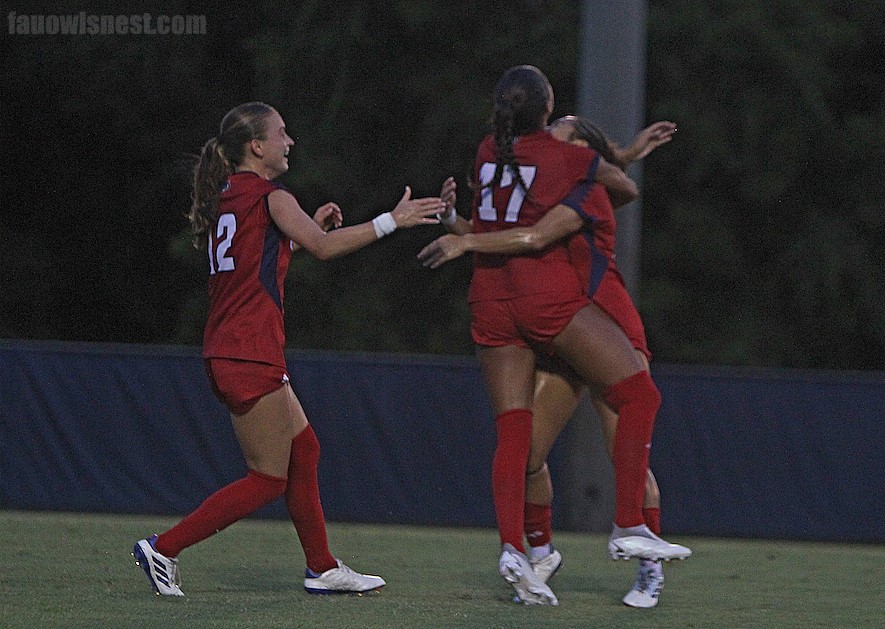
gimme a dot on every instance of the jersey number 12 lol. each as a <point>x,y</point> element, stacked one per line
<point>219,260</point>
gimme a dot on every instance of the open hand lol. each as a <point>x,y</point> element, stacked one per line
<point>328,217</point>
<point>442,250</point>
<point>410,212</point>
<point>651,138</point>
<point>449,193</point>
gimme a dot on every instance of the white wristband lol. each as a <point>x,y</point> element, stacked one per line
<point>449,218</point>
<point>384,224</point>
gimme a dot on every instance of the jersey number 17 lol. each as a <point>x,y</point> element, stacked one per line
<point>487,211</point>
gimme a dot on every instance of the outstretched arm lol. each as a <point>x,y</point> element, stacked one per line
<point>297,225</point>
<point>645,142</point>
<point>556,224</point>
<point>621,189</point>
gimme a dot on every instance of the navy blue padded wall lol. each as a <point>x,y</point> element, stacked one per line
<point>409,439</point>
<point>771,452</point>
<point>137,429</point>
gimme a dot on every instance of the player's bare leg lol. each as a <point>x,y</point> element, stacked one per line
<point>265,433</point>
<point>649,580</point>
<point>557,393</point>
<point>596,347</point>
<point>509,373</point>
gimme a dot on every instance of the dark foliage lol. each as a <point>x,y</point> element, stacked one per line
<point>764,236</point>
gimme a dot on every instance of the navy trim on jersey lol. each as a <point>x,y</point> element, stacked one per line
<point>576,198</point>
<point>594,165</point>
<point>270,254</point>
<point>598,262</point>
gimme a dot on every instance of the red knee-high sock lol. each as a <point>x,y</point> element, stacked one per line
<point>636,400</point>
<point>652,517</point>
<point>538,524</point>
<point>514,429</point>
<point>227,505</point>
<point>303,501</point>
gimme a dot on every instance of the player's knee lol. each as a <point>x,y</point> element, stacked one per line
<point>265,486</point>
<point>307,447</point>
<point>637,388</point>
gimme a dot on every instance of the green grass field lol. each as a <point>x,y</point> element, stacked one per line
<point>75,570</point>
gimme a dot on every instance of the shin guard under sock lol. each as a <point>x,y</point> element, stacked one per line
<point>227,505</point>
<point>514,429</point>
<point>303,501</point>
<point>636,401</point>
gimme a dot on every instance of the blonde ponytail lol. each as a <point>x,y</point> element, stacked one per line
<point>219,160</point>
<point>210,172</point>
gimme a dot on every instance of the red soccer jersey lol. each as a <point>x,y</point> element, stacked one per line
<point>592,251</point>
<point>552,171</point>
<point>248,260</point>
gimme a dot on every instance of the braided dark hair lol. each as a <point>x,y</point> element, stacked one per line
<point>521,98</point>
<point>218,160</point>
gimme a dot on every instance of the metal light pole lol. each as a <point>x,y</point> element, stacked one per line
<point>611,92</point>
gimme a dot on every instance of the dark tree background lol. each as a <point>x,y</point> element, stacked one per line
<point>764,230</point>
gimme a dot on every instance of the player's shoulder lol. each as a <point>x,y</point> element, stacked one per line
<point>544,148</point>
<point>249,183</point>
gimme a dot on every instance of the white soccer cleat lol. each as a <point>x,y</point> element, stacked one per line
<point>648,586</point>
<point>514,566</point>
<point>639,542</point>
<point>546,567</point>
<point>341,580</point>
<point>161,571</point>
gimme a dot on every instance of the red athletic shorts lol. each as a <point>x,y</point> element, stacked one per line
<point>612,297</point>
<point>526,321</point>
<point>239,384</point>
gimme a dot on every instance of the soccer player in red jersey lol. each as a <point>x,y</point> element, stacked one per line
<point>534,301</point>
<point>558,389</point>
<point>249,227</point>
